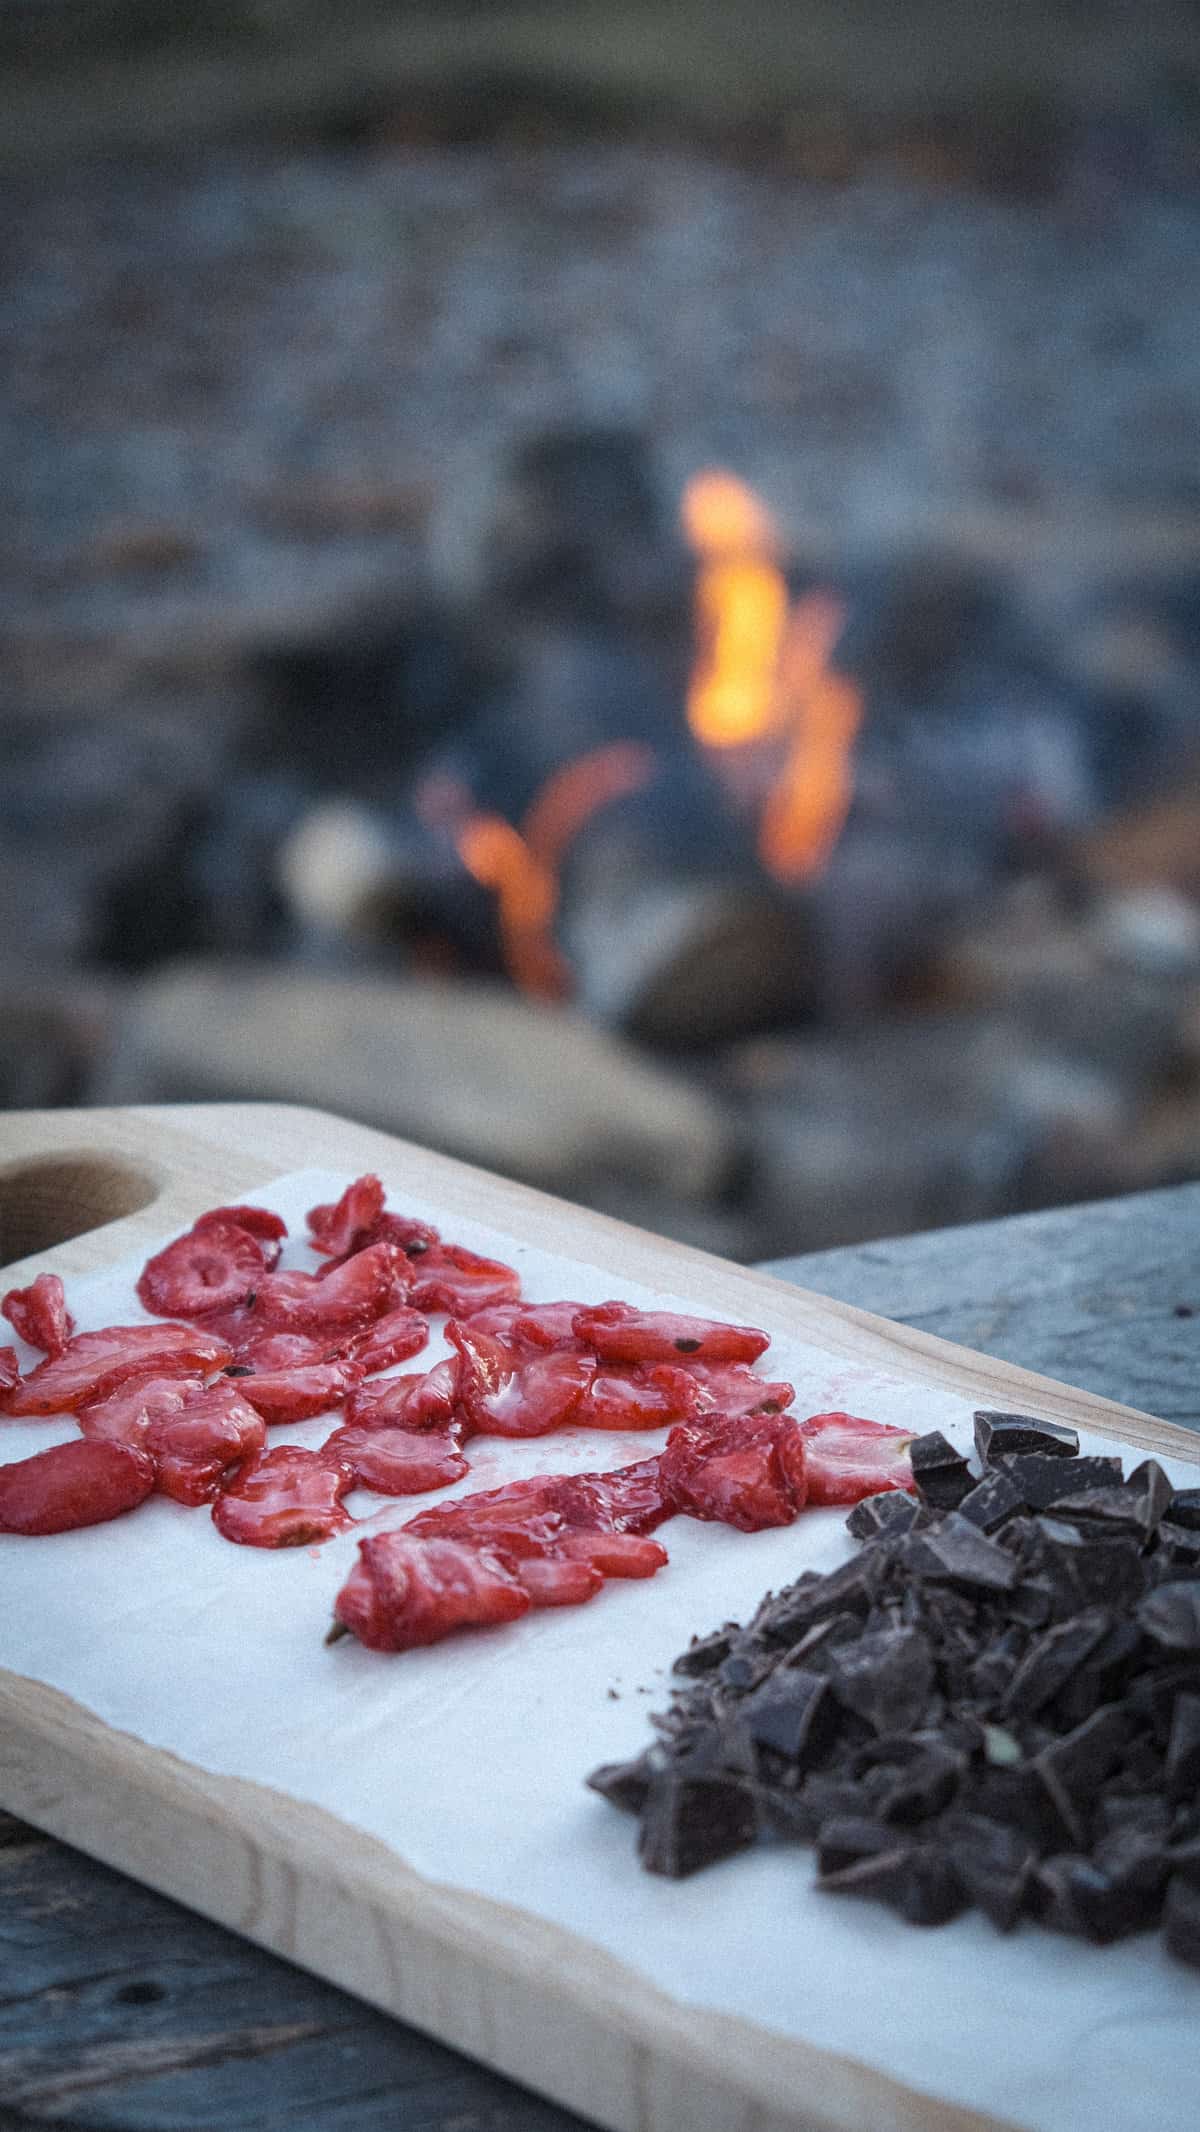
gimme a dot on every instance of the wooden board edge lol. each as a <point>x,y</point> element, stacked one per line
<point>206,1152</point>
<point>524,1996</point>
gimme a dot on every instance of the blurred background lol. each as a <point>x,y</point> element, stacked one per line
<point>614,590</point>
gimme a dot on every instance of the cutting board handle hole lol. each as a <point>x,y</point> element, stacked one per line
<point>45,1203</point>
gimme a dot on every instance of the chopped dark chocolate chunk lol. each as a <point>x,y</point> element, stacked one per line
<point>994,1864</point>
<point>626,1784</point>
<point>992,1501</point>
<point>1044,1477</point>
<point>1185,1508</point>
<point>1074,1767</point>
<point>1077,1895</point>
<point>941,1473</point>
<point>1053,1658</point>
<point>692,1816</point>
<point>1180,1544</point>
<point>793,1715</point>
<point>1183,1748</point>
<point>1181,1920</point>
<point>892,1511</point>
<point>885,1676</point>
<point>705,1653</point>
<point>1171,1616</point>
<point>909,1779</point>
<point>957,1550</point>
<point>998,1433</point>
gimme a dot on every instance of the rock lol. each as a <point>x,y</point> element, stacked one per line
<point>532,1091</point>
<point>55,1030</point>
<point>917,1123</point>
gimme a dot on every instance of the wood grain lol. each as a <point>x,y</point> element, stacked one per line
<point>519,1994</point>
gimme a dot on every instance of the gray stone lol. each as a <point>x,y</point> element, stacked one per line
<point>533,1091</point>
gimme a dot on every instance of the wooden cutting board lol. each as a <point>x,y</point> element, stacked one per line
<point>509,1988</point>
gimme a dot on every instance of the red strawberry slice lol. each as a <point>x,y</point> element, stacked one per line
<point>449,1277</point>
<point>93,1363</point>
<point>848,1457</point>
<point>397,1461</point>
<point>216,1265</point>
<point>504,1393</point>
<point>340,1300</point>
<point>398,1335</point>
<point>427,1401</point>
<point>618,1332</point>
<point>296,1394</point>
<point>39,1314</point>
<point>73,1484</point>
<point>337,1229</point>
<point>748,1473</point>
<point>285,1497</point>
<point>406,1591</point>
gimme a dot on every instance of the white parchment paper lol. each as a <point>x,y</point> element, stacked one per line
<point>469,1759</point>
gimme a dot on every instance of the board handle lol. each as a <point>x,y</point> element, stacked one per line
<point>46,1200</point>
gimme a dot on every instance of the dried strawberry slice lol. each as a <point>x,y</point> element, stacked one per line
<point>343,1299</point>
<point>73,1484</point>
<point>336,1228</point>
<point>255,1349</point>
<point>267,1228</point>
<point>626,1499</point>
<point>193,1432</point>
<point>10,1370</point>
<point>748,1473</point>
<point>618,1332</point>
<point>635,1398</point>
<point>558,1580</point>
<point>296,1394</point>
<point>614,1554</point>
<point>548,1327</point>
<point>405,1591</point>
<point>427,1401</point>
<point>195,1448</point>
<point>213,1267</point>
<point>731,1388</point>
<point>285,1497</point>
<point>397,1461</point>
<point>39,1315</point>
<point>414,1237</point>
<point>93,1363</point>
<point>399,1334</point>
<point>449,1277</point>
<point>124,1416</point>
<point>848,1457</point>
<point>502,1393</point>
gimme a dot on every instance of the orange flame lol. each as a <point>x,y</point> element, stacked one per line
<point>521,866</point>
<point>762,673</point>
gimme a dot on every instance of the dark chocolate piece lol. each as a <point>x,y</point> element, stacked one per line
<point>892,1511</point>
<point>1170,1616</point>
<point>992,1501</point>
<point>1183,1748</point>
<point>693,1816</point>
<point>1185,1508</point>
<point>994,1864</point>
<point>1074,1767</point>
<point>1043,1477</point>
<point>1077,1895</point>
<point>886,1676</point>
<point>793,1715</point>
<point>999,1433</point>
<point>626,1784</point>
<point>1180,1544</point>
<point>1053,1658</point>
<point>705,1653</point>
<point>941,1473</point>
<point>957,1550</point>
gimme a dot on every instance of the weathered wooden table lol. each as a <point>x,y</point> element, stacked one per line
<point>119,2009</point>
